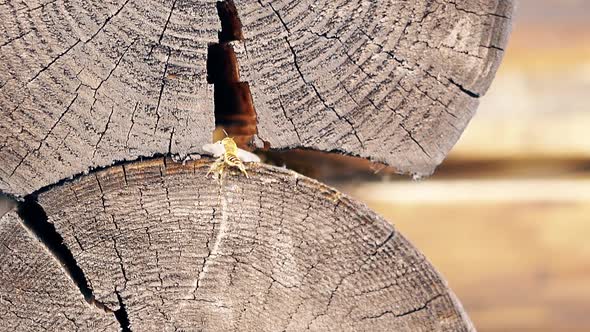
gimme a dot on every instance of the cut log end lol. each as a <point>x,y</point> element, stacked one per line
<point>163,247</point>
<point>391,81</point>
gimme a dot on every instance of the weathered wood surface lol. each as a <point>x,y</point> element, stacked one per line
<point>276,252</point>
<point>83,84</point>
<point>394,81</point>
<point>35,294</point>
<point>6,204</point>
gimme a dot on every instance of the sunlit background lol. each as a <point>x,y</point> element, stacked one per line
<point>506,219</point>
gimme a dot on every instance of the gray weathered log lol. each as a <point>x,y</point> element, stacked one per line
<point>35,294</point>
<point>86,83</point>
<point>393,81</point>
<point>276,252</point>
<point>6,204</point>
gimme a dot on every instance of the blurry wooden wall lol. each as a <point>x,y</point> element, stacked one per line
<point>516,251</point>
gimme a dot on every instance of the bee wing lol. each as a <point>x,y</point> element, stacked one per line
<point>216,149</point>
<point>248,157</point>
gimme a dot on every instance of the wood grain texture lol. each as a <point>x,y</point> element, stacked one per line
<point>276,252</point>
<point>35,294</point>
<point>393,81</point>
<point>86,83</point>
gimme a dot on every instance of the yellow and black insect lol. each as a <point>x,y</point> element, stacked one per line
<point>228,154</point>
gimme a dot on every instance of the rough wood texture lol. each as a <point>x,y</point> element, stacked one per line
<point>85,83</point>
<point>6,204</point>
<point>394,81</point>
<point>277,252</point>
<point>35,294</point>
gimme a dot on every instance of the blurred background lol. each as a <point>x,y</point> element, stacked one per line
<point>506,218</point>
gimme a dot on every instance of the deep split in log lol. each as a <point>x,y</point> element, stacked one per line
<point>34,219</point>
<point>234,108</point>
<point>179,251</point>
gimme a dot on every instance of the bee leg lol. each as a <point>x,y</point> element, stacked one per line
<point>220,169</point>
<point>210,170</point>
<point>214,168</point>
<point>242,169</point>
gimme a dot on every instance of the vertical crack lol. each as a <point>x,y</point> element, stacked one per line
<point>121,315</point>
<point>231,26</point>
<point>234,107</point>
<point>167,21</point>
<point>162,86</point>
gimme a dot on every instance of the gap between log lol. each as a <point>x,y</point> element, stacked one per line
<point>234,107</point>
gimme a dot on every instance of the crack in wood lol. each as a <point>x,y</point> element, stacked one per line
<point>468,92</point>
<point>317,93</point>
<point>102,81</point>
<point>44,139</point>
<point>333,292</point>
<point>476,13</point>
<point>34,219</point>
<point>132,120</point>
<point>427,72</point>
<point>59,56</point>
<point>121,315</point>
<point>197,282</point>
<point>289,118</point>
<point>104,131</point>
<point>406,313</point>
<point>107,20</point>
<point>167,22</point>
<point>162,86</point>
<point>234,107</point>
<point>279,16</point>
<point>27,9</point>
<point>231,26</point>
<point>10,40</point>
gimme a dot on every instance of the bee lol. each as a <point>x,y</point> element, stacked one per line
<point>228,154</point>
